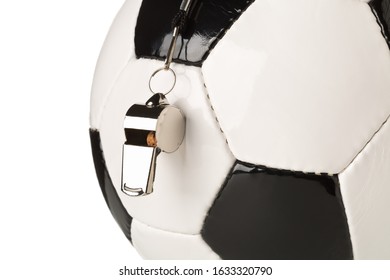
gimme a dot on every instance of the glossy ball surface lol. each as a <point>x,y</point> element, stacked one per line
<point>287,146</point>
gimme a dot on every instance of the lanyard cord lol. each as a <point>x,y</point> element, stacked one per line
<point>178,25</point>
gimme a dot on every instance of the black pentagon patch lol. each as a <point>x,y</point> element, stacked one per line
<point>207,23</point>
<point>381,10</point>
<point>110,195</point>
<point>270,214</point>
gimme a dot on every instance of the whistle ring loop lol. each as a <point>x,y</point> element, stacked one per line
<point>153,90</point>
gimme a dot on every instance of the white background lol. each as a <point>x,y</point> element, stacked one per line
<point>54,222</point>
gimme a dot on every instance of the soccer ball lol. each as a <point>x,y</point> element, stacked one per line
<point>287,146</point>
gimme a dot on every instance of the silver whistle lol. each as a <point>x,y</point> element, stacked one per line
<point>150,129</point>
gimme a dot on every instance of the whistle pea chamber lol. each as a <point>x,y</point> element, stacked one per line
<point>149,130</point>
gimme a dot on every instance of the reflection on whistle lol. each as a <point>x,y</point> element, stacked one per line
<point>139,154</point>
<point>139,168</point>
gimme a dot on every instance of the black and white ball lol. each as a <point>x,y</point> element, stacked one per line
<point>287,146</point>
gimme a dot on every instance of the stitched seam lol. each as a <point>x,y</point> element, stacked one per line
<point>364,147</point>
<point>227,141</point>
<point>381,25</point>
<point>218,38</point>
<point>224,31</point>
<point>164,230</point>
<point>110,91</point>
<point>130,56</point>
<point>206,245</point>
<point>213,110</point>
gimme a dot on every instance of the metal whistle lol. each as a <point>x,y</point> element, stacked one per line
<point>150,129</point>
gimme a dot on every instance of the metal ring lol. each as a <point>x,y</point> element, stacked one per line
<point>158,71</point>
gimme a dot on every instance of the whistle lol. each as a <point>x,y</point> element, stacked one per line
<point>149,129</point>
